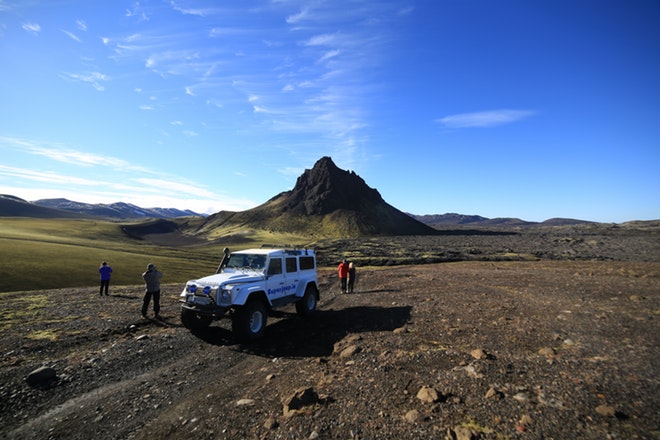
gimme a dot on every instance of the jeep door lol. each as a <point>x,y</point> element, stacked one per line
<point>292,273</point>
<point>278,285</point>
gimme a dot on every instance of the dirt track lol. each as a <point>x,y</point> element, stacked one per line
<point>510,349</point>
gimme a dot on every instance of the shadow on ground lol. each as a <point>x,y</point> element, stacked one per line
<point>314,336</point>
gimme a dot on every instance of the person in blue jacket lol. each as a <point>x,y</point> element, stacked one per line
<point>105,272</point>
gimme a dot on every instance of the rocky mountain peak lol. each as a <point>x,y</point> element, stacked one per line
<point>326,188</point>
<point>326,201</point>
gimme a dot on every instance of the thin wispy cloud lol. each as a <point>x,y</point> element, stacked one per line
<point>45,176</point>
<point>70,157</point>
<point>491,118</point>
<point>329,55</point>
<point>59,153</point>
<point>67,180</point>
<point>329,13</point>
<point>199,12</point>
<point>32,28</point>
<point>178,187</point>
<point>260,109</point>
<point>322,40</point>
<point>228,31</point>
<point>173,61</point>
<point>73,36</point>
<point>137,12</point>
<point>95,79</point>
<point>182,193</point>
<point>299,16</point>
<point>5,7</point>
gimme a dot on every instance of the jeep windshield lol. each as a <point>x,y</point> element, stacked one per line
<point>247,261</point>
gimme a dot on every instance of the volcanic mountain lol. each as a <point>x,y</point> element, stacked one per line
<point>325,202</point>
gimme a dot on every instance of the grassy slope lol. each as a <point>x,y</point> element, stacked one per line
<point>56,253</point>
<point>38,254</point>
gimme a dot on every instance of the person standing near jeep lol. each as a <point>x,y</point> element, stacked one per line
<point>343,275</point>
<point>351,276</point>
<point>152,280</point>
<point>105,272</point>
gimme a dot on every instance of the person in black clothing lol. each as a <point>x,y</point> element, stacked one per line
<point>351,277</point>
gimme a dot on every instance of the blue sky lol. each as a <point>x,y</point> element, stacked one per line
<point>510,108</point>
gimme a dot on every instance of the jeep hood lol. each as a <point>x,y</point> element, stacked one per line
<point>227,278</point>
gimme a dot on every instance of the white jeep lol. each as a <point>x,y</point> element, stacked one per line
<point>247,285</point>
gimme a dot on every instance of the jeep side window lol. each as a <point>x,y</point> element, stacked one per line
<point>292,264</point>
<point>275,266</point>
<point>306,263</point>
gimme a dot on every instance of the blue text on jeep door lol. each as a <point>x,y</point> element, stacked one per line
<point>278,285</point>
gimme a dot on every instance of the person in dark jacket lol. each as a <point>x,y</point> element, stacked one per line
<point>351,276</point>
<point>105,272</point>
<point>152,281</point>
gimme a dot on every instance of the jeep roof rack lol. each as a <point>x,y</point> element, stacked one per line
<point>291,249</point>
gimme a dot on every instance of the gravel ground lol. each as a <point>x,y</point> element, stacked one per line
<point>548,349</point>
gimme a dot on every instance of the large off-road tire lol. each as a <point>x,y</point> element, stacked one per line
<point>193,320</point>
<point>249,321</point>
<point>307,304</point>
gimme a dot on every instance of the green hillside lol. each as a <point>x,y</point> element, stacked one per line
<point>55,253</point>
<point>38,254</point>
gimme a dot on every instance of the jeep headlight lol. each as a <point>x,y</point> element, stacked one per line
<point>224,296</point>
<point>192,288</point>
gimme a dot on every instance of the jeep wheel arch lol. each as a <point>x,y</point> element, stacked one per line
<point>249,320</point>
<point>307,304</point>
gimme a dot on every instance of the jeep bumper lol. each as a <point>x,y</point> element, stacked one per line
<point>207,309</point>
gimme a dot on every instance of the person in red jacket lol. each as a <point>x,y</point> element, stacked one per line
<point>343,275</point>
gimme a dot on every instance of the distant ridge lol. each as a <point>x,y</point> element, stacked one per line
<point>452,219</point>
<point>326,201</point>
<point>564,222</point>
<point>117,210</point>
<point>12,206</point>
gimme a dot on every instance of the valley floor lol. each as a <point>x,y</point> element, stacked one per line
<point>489,349</point>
